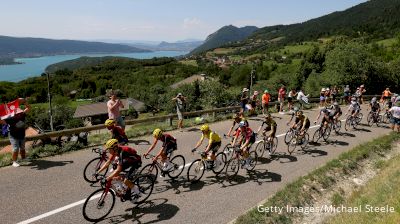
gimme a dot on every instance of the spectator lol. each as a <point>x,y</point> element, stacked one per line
<point>244,99</point>
<point>281,98</point>
<point>322,97</point>
<point>362,91</point>
<point>395,120</point>
<point>292,94</point>
<point>254,102</point>
<point>303,99</point>
<point>334,93</point>
<point>180,101</point>
<point>347,94</point>
<point>113,106</point>
<point>265,101</point>
<point>17,130</point>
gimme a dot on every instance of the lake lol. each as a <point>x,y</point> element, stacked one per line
<point>36,66</point>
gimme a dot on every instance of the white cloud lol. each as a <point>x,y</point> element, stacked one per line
<point>192,23</point>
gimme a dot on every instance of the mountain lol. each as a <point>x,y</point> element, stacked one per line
<point>225,35</point>
<point>80,63</point>
<point>378,19</point>
<point>12,47</point>
<point>179,46</point>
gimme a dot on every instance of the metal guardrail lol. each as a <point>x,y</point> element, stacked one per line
<point>169,117</point>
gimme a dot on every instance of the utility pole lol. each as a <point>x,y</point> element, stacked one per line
<point>49,96</point>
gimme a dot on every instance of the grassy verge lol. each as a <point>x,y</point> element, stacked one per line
<point>381,191</point>
<point>301,192</point>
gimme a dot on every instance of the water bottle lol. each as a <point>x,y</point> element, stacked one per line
<point>119,187</point>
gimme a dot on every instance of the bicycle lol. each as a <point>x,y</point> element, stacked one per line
<point>238,161</point>
<point>352,121</point>
<point>177,161</point>
<point>336,125</point>
<point>115,187</point>
<point>266,144</point>
<point>297,139</point>
<point>323,131</point>
<point>94,165</point>
<point>289,135</point>
<point>374,117</point>
<point>199,166</point>
<point>386,116</point>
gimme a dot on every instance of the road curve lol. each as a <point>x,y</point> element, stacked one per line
<point>51,190</point>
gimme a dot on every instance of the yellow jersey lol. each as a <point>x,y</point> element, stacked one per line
<point>212,136</point>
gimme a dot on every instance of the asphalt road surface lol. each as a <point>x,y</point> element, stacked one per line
<point>52,190</point>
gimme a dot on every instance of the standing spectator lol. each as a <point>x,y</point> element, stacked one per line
<point>281,98</point>
<point>395,120</point>
<point>244,99</point>
<point>265,101</point>
<point>113,106</point>
<point>17,131</point>
<point>303,99</point>
<point>254,102</point>
<point>346,94</point>
<point>327,96</point>
<point>334,93</point>
<point>386,96</point>
<point>292,94</point>
<point>362,91</point>
<point>322,97</point>
<point>180,101</point>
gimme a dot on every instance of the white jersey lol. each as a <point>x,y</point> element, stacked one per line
<point>395,112</point>
<point>355,106</point>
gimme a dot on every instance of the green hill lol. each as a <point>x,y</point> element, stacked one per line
<point>225,35</point>
<point>376,19</point>
<point>11,47</point>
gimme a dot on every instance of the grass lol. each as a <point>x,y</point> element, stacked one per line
<point>380,191</point>
<point>387,42</point>
<point>294,49</point>
<point>223,50</point>
<point>301,192</point>
<point>189,62</point>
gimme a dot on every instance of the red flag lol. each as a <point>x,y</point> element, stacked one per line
<point>9,109</point>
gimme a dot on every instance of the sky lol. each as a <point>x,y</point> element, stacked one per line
<point>152,20</point>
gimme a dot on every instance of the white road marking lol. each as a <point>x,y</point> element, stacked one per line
<point>58,210</point>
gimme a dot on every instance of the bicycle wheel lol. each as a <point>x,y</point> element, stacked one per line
<point>219,163</point>
<point>98,205</point>
<point>196,170</point>
<point>379,120</point>
<point>385,117</point>
<point>274,146</point>
<point>228,150</point>
<point>304,141</point>
<point>232,168</point>
<point>91,168</point>
<point>327,133</point>
<point>370,118</point>
<point>359,118</point>
<point>178,163</point>
<point>261,147</point>
<point>150,169</point>
<point>288,136</point>
<point>338,126</point>
<point>292,145</point>
<point>348,123</point>
<point>145,182</point>
<point>252,160</point>
<point>317,135</point>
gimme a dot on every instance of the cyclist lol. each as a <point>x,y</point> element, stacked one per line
<point>127,159</point>
<point>237,118</point>
<point>375,108</point>
<point>354,107</point>
<point>116,131</point>
<point>248,138</point>
<point>168,146</point>
<point>295,109</point>
<point>337,111</point>
<point>302,122</point>
<point>270,126</point>
<point>327,116</point>
<point>214,143</point>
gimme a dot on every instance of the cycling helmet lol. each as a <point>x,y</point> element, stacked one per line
<point>242,124</point>
<point>112,143</point>
<point>336,104</point>
<point>298,113</point>
<point>157,133</point>
<point>373,100</point>
<point>109,122</point>
<point>205,128</point>
<point>295,109</point>
<point>353,99</point>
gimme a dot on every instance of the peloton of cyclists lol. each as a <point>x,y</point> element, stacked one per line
<point>237,118</point>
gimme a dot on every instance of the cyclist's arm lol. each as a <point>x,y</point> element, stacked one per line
<point>230,130</point>
<point>199,142</point>
<point>105,165</point>
<point>259,129</point>
<point>151,147</point>
<point>304,122</point>
<point>246,143</point>
<point>115,173</point>
<point>319,115</point>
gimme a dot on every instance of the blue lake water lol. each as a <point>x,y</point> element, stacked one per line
<point>36,66</point>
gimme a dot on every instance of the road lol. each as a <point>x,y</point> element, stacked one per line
<point>51,190</point>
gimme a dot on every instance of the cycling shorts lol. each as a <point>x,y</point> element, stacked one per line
<point>273,132</point>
